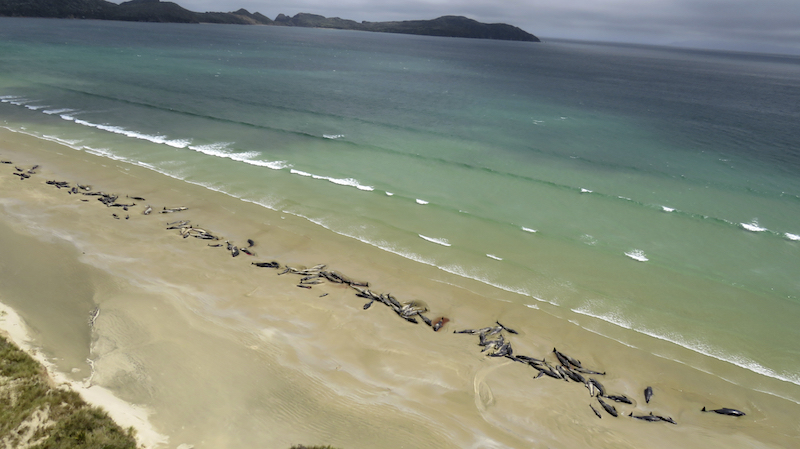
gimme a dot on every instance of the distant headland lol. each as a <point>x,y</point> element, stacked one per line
<point>158,11</point>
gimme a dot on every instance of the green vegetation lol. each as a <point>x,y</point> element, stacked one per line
<point>446,26</point>
<point>158,11</point>
<point>38,415</point>
<point>132,11</point>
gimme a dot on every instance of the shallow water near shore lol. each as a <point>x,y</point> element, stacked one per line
<point>651,253</point>
<point>223,353</point>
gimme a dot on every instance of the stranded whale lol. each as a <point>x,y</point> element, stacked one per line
<point>725,411</point>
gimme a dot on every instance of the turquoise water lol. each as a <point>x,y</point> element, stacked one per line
<point>652,189</point>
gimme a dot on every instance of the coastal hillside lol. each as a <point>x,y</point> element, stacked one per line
<point>158,11</point>
<point>131,11</point>
<point>449,26</point>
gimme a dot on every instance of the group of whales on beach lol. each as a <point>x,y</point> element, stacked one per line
<point>492,338</point>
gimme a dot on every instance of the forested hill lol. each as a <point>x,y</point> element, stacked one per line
<point>158,11</point>
<point>450,26</point>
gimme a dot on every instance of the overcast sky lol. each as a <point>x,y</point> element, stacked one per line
<point>749,25</point>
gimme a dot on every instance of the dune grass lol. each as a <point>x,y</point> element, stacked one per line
<point>35,414</point>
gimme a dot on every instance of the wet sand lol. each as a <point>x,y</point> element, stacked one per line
<point>225,354</point>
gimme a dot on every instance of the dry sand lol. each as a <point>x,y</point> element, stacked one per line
<point>209,351</point>
<point>124,413</point>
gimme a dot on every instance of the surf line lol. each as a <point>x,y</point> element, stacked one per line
<point>442,242</point>
<point>410,311</point>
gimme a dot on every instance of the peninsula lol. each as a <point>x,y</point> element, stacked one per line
<point>158,11</point>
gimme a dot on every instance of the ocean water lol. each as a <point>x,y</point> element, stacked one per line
<point>642,193</point>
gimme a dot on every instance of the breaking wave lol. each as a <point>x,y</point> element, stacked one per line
<point>350,182</point>
<point>753,226</point>
<point>637,254</point>
<point>250,157</point>
<point>442,242</point>
<point>159,139</point>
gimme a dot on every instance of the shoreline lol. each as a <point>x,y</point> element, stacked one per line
<point>124,414</point>
<point>369,360</point>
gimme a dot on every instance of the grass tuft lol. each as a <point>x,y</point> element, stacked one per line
<point>35,414</point>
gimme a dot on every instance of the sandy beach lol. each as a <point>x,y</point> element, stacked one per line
<point>209,351</point>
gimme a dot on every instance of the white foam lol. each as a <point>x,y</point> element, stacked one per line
<point>452,269</point>
<point>667,209</point>
<point>442,242</point>
<point>419,201</point>
<point>107,153</point>
<point>74,144</point>
<point>275,165</point>
<point>383,245</point>
<point>17,101</point>
<point>753,226</point>
<point>57,111</point>
<point>773,394</point>
<point>104,152</point>
<point>391,248</point>
<point>221,149</point>
<point>792,236</point>
<point>333,136</point>
<point>585,190</point>
<point>378,244</point>
<point>492,256</point>
<point>528,229</point>
<point>148,166</point>
<point>613,318</point>
<point>270,202</point>
<point>247,158</point>
<point>350,182</point>
<point>637,254</point>
<point>389,194</point>
<point>345,182</point>
<point>68,143</point>
<point>463,272</point>
<point>696,346</point>
<point>159,139</point>
<point>301,173</point>
<point>35,107</point>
